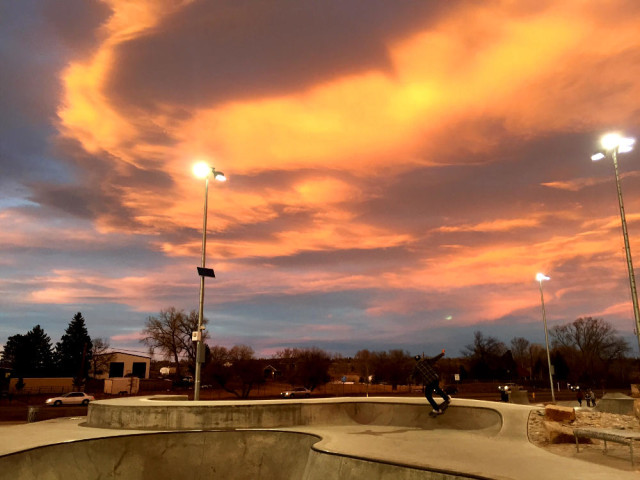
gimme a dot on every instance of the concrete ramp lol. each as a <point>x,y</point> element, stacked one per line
<point>166,414</point>
<point>233,455</point>
<point>617,403</point>
<point>317,439</point>
<point>198,455</point>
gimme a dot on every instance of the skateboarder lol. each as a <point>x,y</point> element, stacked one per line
<point>425,371</point>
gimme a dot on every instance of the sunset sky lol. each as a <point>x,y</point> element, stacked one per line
<point>398,171</point>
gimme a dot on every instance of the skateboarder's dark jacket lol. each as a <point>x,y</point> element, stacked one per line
<point>425,370</point>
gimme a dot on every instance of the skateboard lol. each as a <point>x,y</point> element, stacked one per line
<point>443,406</point>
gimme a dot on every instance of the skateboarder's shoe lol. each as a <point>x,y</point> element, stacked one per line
<point>435,413</point>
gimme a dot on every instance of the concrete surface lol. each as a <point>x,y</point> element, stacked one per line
<point>618,403</point>
<point>316,439</point>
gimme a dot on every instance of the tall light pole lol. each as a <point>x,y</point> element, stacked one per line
<point>614,144</point>
<point>203,170</point>
<point>540,277</point>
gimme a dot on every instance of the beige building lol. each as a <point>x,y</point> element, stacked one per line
<point>120,364</point>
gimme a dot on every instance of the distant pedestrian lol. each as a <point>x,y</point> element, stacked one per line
<point>426,372</point>
<point>579,395</point>
<point>587,397</point>
<point>592,396</point>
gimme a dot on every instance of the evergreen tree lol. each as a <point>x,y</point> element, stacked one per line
<point>73,351</point>
<point>42,362</point>
<point>30,355</point>
<point>16,354</point>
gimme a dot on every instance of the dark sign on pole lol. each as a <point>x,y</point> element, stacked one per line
<point>206,272</point>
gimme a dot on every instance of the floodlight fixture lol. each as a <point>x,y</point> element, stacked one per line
<point>203,170</point>
<point>613,144</point>
<point>541,276</point>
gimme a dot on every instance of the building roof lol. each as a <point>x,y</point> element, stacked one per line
<point>119,352</point>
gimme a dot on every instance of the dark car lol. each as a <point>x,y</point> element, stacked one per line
<point>450,389</point>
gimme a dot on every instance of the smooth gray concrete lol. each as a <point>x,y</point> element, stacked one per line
<point>241,455</point>
<point>163,413</point>
<point>316,439</point>
<point>617,403</point>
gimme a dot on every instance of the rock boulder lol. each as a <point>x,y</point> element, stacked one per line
<point>557,413</point>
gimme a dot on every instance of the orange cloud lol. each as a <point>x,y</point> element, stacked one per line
<point>76,287</point>
<point>488,60</point>
<point>500,225</point>
<point>522,68</point>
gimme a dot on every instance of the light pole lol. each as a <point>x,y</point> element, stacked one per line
<point>203,170</point>
<point>540,277</point>
<point>613,144</point>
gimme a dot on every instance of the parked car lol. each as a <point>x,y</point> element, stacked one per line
<point>71,398</point>
<point>450,389</point>
<point>508,386</point>
<point>296,392</point>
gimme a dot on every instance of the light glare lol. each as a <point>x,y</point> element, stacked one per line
<point>541,276</point>
<point>201,170</point>
<point>610,141</point>
<point>613,141</point>
<point>219,176</point>
<point>626,145</point>
<point>597,156</point>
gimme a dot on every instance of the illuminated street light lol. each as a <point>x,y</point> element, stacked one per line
<point>614,144</point>
<point>202,170</point>
<point>540,277</point>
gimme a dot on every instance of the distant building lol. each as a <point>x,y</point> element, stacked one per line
<point>121,364</point>
<point>164,371</point>
<point>271,372</point>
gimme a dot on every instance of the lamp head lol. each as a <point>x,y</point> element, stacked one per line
<point>610,141</point>
<point>541,276</point>
<point>613,141</point>
<point>202,170</point>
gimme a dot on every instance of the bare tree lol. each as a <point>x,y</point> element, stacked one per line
<point>235,370</point>
<point>538,365</point>
<point>305,366</point>
<point>486,356</point>
<point>520,351</point>
<point>393,366</point>
<point>364,364</point>
<point>101,358</point>
<point>589,345</point>
<point>170,333</point>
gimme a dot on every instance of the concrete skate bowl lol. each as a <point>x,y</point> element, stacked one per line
<point>230,455</point>
<point>163,413</point>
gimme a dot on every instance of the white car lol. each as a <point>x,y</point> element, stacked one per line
<point>71,398</point>
<point>296,392</point>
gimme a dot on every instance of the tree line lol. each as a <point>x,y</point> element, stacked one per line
<point>33,355</point>
<point>587,351</point>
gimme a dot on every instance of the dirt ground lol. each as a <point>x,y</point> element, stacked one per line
<point>617,456</point>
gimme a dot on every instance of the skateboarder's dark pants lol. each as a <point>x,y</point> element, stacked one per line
<point>428,393</point>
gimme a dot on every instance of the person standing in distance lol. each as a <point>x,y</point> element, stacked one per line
<point>425,370</point>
